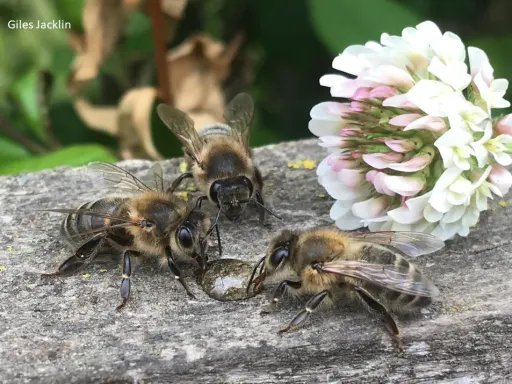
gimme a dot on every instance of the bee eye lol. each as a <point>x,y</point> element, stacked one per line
<point>214,190</point>
<point>277,256</point>
<point>185,237</point>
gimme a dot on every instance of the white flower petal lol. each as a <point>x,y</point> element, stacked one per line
<point>370,208</point>
<point>405,215</point>
<point>349,222</point>
<point>428,96</point>
<point>479,63</point>
<point>324,127</point>
<point>450,47</point>
<point>454,214</point>
<point>454,73</point>
<point>431,214</point>
<point>340,208</point>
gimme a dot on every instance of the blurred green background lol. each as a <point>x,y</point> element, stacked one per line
<point>288,45</point>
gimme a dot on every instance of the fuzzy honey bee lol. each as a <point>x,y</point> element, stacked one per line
<point>366,267</point>
<point>221,159</point>
<point>153,222</point>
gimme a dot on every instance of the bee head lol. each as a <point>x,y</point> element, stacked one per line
<point>279,251</point>
<point>155,217</point>
<point>190,235</point>
<point>277,257</point>
<point>232,195</point>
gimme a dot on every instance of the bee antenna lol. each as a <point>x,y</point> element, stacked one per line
<point>266,209</point>
<point>254,273</point>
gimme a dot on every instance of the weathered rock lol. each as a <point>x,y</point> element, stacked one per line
<point>66,330</point>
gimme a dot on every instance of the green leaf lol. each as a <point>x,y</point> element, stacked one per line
<point>24,92</point>
<point>73,156</point>
<point>340,23</point>
<point>71,10</point>
<point>11,150</point>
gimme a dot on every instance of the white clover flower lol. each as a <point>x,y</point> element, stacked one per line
<point>416,147</point>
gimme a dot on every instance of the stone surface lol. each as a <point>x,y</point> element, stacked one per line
<point>66,330</point>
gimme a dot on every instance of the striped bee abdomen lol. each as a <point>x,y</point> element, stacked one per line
<point>406,270</point>
<point>77,228</point>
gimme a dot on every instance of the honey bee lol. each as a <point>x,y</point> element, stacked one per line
<point>331,264</point>
<point>221,159</point>
<point>153,222</point>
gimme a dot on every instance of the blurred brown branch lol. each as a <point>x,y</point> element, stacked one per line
<point>19,138</point>
<point>154,8</point>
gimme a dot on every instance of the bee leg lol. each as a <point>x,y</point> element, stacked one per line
<point>176,183</point>
<point>215,226</point>
<point>262,211</point>
<point>83,254</point>
<point>218,239</point>
<point>278,294</point>
<point>125,281</point>
<point>374,306</point>
<point>176,272</point>
<point>311,305</point>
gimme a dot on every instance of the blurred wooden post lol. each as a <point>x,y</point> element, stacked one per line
<point>157,30</point>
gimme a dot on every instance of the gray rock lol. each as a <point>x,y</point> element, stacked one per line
<point>66,330</point>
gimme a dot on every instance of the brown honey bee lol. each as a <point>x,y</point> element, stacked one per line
<point>153,222</point>
<point>221,159</point>
<point>331,264</point>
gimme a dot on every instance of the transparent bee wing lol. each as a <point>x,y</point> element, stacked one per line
<point>238,114</point>
<point>389,276</point>
<point>183,128</point>
<point>87,212</point>
<point>118,177</point>
<point>154,178</point>
<point>412,244</point>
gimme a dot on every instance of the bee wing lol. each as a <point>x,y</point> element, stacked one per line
<point>91,212</point>
<point>118,177</point>
<point>238,114</point>
<point>389,276</point>
<point>183,128</point>
<point>154,178</point>
<point>412,244</point>
<point>87,212</point>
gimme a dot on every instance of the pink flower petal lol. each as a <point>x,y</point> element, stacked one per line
<point>389,75</point>
<point>504,125</point>
<point>383,92</point>
<point>338,109</point>
<point>379,182</point>
<point>399,101</point>
<point>479,63</point>
<point>428,123</point>
<point>356,106</point>
<point>352,178</point>
<point>339,162</point>
<point>404,120</point>
<point>361,93</point>
<point>370,175</point>
<point>400,145</point>
<point>405,185</point>
<point>501,178</point>
<point>370,208</point>
<point>332,142</point>
<point>381,160</point>
<point>416,163</point>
